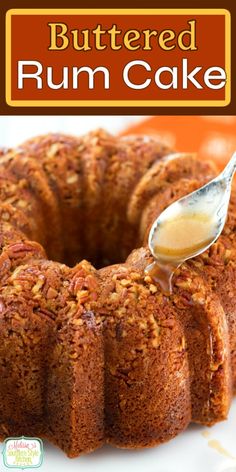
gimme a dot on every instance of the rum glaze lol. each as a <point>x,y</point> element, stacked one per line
<point>175,241</point>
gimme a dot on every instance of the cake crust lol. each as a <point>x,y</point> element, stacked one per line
<point>94,355</point>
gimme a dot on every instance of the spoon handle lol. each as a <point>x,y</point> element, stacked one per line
<point>230,168</point>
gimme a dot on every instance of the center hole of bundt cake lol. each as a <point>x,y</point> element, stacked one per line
<point>80,233</point>
<point>100,248</point>
<point>98,256</point>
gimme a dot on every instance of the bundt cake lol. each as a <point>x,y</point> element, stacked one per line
<point>96,352</point>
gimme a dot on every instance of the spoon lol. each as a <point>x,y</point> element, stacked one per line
<point>190,225</point>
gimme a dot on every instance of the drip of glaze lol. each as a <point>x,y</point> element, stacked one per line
<point>214,444</point>
<point>162,274</point>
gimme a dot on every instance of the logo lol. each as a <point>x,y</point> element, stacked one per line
<point>23,452</point>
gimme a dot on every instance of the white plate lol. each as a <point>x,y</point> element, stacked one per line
<point>197,449</point>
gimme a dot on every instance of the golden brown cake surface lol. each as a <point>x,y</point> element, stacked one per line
<point>94,355</point>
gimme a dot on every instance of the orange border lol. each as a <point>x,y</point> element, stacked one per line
<point>120,103</point>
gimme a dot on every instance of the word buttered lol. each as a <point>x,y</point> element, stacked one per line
<point>61,38</point>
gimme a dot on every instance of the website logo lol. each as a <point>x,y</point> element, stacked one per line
<point>23,452</point>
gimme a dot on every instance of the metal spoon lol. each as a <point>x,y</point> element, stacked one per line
<point>211,201</point>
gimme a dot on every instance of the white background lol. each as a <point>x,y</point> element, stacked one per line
<point>15,129</point>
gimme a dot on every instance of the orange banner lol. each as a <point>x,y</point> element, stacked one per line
<point>118,57</point>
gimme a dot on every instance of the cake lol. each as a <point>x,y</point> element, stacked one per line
<point>95,352</point>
